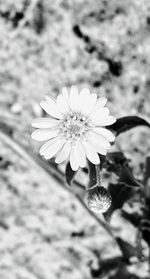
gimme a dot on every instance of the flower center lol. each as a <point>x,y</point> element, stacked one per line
<point>74,126</point>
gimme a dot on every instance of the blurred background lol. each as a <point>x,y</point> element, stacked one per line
<point>45,231</point>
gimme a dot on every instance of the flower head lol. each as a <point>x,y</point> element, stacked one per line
<point>74,128</point>
<point>98,199</point>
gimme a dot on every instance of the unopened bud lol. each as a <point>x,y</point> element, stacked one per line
<point>98,199</point>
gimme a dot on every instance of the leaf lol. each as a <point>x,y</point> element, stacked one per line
<point>145,223</point>
<point>116,162</point>
<point>120,193</point>
<point>117,157</point>
<point>133,218</point>
<point>122,273</point>
<point>106,266</point>
<point>127,185</point>
<point>147,170</point>
<point>69,174</point>
<point>147,177</point>
<point>92,175</point>
<point>127,177</point>
<point>115,266</point>
<point>126,123</point>
<point>127,249</point>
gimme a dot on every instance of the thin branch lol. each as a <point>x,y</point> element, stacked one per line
<point>32,158</point>
<point>98,175</point>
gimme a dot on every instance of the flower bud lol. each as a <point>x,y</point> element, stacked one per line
<point>98,199</point>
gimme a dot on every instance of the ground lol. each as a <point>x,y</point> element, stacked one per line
<point>45,232</point>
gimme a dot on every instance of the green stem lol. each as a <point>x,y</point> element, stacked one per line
<point>92,175</point>
<point>98,175</point>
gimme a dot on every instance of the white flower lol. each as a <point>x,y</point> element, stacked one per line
<point>74,128</point>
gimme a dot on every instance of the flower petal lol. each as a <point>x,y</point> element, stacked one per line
<point>81,154</point>
<point>74,162</point>
<point>106,121</point>
<point>53,148</point>
<point>105,132</point>
<point>46,145</point>
<point>51,108</point>
<point>62,104</point>
<point>99,114</point>
<point>44,123</point>
<point>91,153</point>
<point>97,146</point>
<point>44,134</point>
<point>101,102</point>
<point>89,104</point>
<point>74,98</point>
<point>63,153</point>
<point>99,139</point>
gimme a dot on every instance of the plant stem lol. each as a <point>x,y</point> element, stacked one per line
<point>98,177</point>
<point>92,175</point>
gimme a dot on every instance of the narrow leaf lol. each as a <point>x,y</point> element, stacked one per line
<point>134,218</point>
<point>147,177</point>
<point>106,267</point>
<point>127,177</point>
<point>127,249</point>
<point>145,223</point>
<point>116,162</point>
<point>120,193</point>
<point>147,168</point>
<point>69,174</point>
<point>127,185</point>
<point>126,123</point>
<point>92,175</point>
<point>123,273</point>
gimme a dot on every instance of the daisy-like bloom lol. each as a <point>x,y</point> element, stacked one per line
<point>74,128</point>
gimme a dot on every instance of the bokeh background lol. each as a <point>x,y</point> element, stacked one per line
<point>45,232</point>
